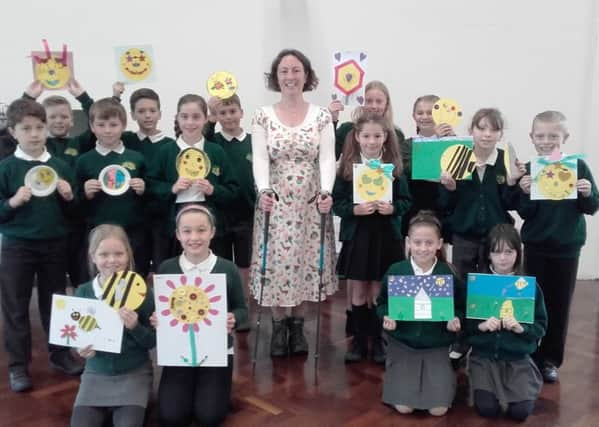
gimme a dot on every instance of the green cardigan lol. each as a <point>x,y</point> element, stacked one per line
<point>343,206</point>
<point>136,342</point>
<point>420,334</point>
<point>507,345</point>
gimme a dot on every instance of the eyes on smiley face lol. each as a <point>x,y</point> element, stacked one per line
<point>135,64</point>
<point>372,185</point>
<point>52,73</point>
<point>193,164</point>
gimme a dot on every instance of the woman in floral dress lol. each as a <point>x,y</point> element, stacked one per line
<point>294,164</point>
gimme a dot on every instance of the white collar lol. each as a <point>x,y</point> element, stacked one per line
<point>205,266</point>
<point>153,138</point>
<point>490,160</point>
<point>183,145</point>
<point>97,287</point>
<point>365,160</point>
<point>20,154</point>
<point>419,271</point>
<point>105,151</point>
<point>494,272</point>
<point>230,137</point>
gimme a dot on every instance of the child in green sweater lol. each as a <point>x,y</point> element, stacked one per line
<point>502,373</point>
<point>34,232</point>
<point>115,386</point>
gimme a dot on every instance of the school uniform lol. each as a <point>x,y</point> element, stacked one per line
<point>474,208</point>
<point>126,210</point>
<point>343,130</point>
<point>34,242</point>
<point>418,370</point>
<point>203,393</point>
<point>500,363</point>
<point>553,234</point>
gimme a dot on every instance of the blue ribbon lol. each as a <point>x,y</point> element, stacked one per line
<point>570,161</point>
<point>387,168</point>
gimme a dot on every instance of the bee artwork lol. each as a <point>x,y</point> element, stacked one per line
<point>79,322</point>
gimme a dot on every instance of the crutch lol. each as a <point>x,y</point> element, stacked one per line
<point>323,221</point>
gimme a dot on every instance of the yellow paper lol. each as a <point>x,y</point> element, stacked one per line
<point>222,84</point>
<point>447,111</point>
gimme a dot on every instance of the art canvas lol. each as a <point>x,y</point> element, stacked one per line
<point>373,183</point>
<point>554,177</point>
<point>432,156</point>
<point>53,69</point>
<point>349,70</point>
<point>135,63</point>
<point>192,314</point>
<point>495,295</point>
<point>417,298</point>
<point>79,322</point>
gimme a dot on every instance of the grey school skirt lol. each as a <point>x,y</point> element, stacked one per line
<point>510,381</point>
<point>418,378</point>
<point>131,388</point>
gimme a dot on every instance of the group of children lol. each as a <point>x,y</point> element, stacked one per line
<point>167,223</point>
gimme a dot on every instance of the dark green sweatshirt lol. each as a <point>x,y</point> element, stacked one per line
<point>342,131</point>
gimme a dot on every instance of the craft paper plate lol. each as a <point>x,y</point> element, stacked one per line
<point>193,164</point>
<point>124,289</point>
<point>447,111</point>
<point>114,180</point>
<point>222,84</point>
<point>42,180</point>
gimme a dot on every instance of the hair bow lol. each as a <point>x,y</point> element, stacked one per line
<point>387,168</point>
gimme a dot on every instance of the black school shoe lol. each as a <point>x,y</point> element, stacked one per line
<point>549,372</point>
<point>19,379</point>
<point>64,361</point>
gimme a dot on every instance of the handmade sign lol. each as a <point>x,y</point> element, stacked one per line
<point>79,322</point>
<point>501,296</point>
<point>554,177</point>
<point>222,84</point>
<point>373,181</point>
<point>114,180</point>
<point>447,111</point>
<point>427,297</point>
<point>509,160</point>
<point>193,163</point>
<point>42,180</point>
<point>135,63</point>
<point>432,156</point>
<point>124,289</point>
<point>192,313</point>
<point>349,69</point>
<point>52,69</point>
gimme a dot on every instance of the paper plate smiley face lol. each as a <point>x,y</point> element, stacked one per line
<point>556,181</point>
<point>42,180</point>
<point>136,64</point>
<point>193,164</point>
<point>373,185</point>
<point>124,289</point>
<point>114,180</point>
<point>222,84</point>
<point>447,111</point>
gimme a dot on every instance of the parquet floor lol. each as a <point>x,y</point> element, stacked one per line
<point>282,392</point>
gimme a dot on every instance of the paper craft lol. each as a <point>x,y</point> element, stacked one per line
<point>448,111</point>
<point>124,289</point>
<point>135,63</point>
<point>509,160</point>
<point>193,163</point>
<point>427,297</point>
<point>500,296</point>
<point>349,69</point>
<point>79,322</point>
<point>222,84</point>
<point>42,180</point>
<point>52,69</point>
<point>114,180</point>
<point>431,156</point>
<point>192,313</point>
<point>554,178</point>
<point>373,181</point>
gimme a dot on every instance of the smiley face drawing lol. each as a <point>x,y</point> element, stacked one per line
<point>372,185</point>
<point>192,163</point>
<point>124,289</point>
<point>556,182</point>
<point>42,180</point>
<point>53,72</point>
<point>221,84</point>
<point>447,111</point>
<point>135,64</point>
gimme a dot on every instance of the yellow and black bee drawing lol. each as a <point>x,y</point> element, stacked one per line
<point>124,289</point>
<point>88,322</point>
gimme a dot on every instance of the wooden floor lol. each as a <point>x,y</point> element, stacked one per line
<point>282,392</point>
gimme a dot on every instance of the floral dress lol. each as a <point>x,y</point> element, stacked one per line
<point>293,249</point>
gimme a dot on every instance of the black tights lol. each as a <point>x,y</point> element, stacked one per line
<point>200,393</point>
<point>487,406</point>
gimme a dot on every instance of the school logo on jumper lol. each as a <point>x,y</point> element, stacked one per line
<point>124,289</point>
<point>71,152</point>
<point>129,165</point>
<point>500,179</point>
<point>216,170</point>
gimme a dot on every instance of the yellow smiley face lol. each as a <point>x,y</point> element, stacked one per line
<point>372,185</point>
<point>192,163</point>
<point>135,64</point>
<point>556,182</point>
<point>447,111</point>
<point>458,160</point>
<point>221,84</point>
<point>52,73</point>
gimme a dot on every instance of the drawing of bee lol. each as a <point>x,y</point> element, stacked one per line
<point>87,322</point>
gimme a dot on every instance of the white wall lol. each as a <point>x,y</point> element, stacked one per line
<point>520,56</point>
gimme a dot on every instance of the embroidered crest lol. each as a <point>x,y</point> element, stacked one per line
<point>71,152</point>
<point>249,157</point>
<point>129,165</point>
<point>216,170</point>
<point>500,179</point>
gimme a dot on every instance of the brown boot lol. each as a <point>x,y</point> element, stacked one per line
<point>297,340</point>
<point>278,341</point>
